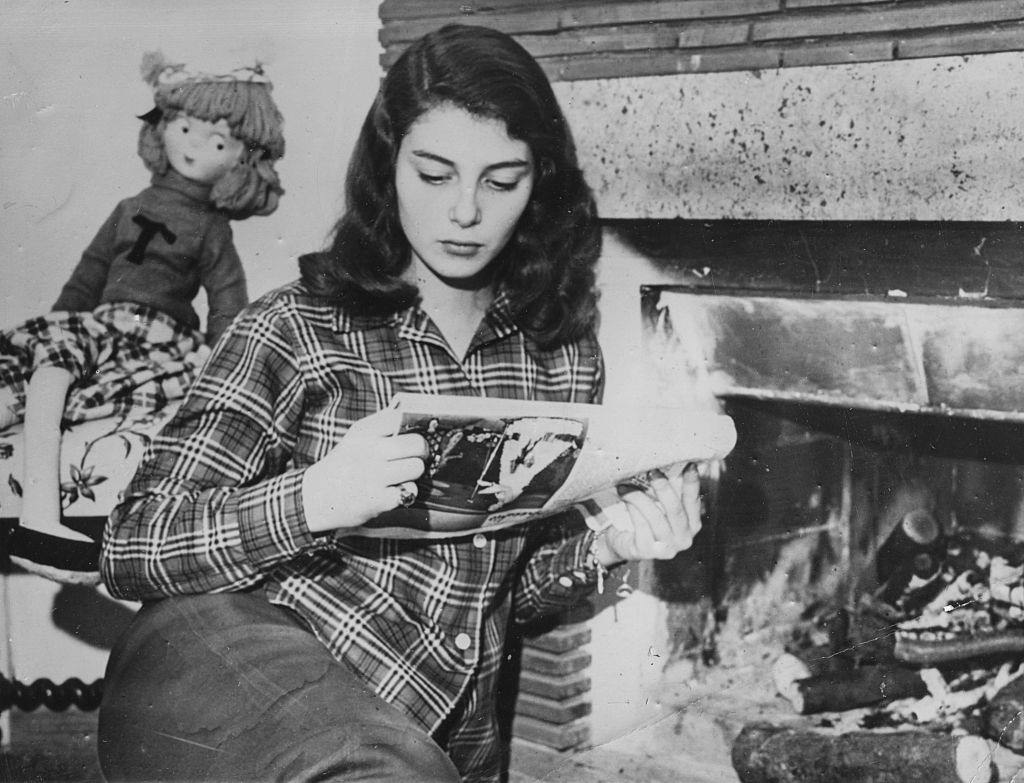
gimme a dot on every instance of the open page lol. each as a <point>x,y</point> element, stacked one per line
<point>495,463</point>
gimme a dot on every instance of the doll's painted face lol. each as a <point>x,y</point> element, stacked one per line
<point>199,150</point>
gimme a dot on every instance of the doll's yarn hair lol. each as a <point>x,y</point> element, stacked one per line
<point>243,99</point>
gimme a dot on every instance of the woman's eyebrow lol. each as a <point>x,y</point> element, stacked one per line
<point>505,164</point>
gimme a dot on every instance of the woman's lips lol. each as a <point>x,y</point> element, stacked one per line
<point>460,248</point>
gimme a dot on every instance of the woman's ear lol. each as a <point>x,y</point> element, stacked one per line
<point>545,169</point>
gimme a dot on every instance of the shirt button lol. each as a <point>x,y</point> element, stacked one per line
<point>565,581</point>
<point>479,540</point>
<point>462,641</point>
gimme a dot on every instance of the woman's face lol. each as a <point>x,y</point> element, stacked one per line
<point>200,150</point>
<point>462,184</point>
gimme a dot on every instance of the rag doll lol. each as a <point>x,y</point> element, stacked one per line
<point>123,334</point>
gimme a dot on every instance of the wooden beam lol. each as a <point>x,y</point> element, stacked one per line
<point>550,17</point>
<point>834,51</point>
<point>968,40</point>
<point>902,16</point>
<point>661,62</point>
<point>587,39</point>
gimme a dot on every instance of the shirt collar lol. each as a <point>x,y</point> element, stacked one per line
<point>413,323</point>
<point>172,180</point>
<point>499,316</point>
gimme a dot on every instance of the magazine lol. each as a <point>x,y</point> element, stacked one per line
<point>495,462</point>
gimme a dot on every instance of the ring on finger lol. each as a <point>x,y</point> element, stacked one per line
<point>407,493</point>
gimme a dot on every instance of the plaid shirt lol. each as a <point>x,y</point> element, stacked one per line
<point>216,504</point>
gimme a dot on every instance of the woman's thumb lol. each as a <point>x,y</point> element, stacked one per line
<point>383,423</point>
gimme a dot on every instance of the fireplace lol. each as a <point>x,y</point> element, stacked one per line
<point>874,374</point>
<point>873,370</point>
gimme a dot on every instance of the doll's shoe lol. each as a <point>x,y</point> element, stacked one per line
<point>67,560</point>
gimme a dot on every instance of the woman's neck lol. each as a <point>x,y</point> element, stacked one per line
<point>455,310</point>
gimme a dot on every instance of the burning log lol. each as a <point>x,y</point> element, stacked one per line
<point>909,550</point>
<point>764,753</point>
<point>836,691</point>
<point>1006,583</point>
<point>1004,717</point>
<point>913,548</point>
<point>965,620</point>
<point>935,651</point>
<point>954,702</point>
<point>871,637</point>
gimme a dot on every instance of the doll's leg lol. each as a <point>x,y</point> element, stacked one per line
<point>40,502</point>
<point>44,409</point>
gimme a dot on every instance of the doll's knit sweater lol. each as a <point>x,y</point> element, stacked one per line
<point>157,248</point>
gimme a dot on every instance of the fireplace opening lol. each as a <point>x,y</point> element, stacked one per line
<point>871,566</point>
<point>864,557</point>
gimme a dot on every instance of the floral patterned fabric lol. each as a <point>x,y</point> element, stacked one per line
<point>98,459</point>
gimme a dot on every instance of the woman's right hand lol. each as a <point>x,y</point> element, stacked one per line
<point>363,475</point>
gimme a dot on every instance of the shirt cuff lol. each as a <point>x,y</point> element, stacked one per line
<point>574,568</point>
<point>271,521</point>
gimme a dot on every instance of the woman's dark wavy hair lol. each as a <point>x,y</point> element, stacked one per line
<point>547,268</point>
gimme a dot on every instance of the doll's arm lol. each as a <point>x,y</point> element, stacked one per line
<point>84,288</point>
<point>223,278</point>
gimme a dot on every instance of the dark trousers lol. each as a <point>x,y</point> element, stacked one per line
<point>231,687</point>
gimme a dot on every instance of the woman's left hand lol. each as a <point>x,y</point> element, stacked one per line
<point>663,520</point>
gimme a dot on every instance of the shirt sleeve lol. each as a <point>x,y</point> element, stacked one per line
<point>223,278</point>
<point>559,572</point>
<point>214,503</point>
<point>83,290</point>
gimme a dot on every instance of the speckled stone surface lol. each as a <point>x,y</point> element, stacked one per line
<point>929,139</point>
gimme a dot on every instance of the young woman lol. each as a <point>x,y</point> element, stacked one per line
<point>464,264</point>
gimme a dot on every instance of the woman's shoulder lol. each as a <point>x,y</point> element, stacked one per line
<point>291,303</point>
<point>583,349</point>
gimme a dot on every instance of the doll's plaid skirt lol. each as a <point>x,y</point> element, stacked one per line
<point>124,357</point>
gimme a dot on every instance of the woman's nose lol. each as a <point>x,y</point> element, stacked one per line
<point>465,212</point>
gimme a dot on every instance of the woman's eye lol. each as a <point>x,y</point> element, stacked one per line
<point>433,179</point>
<point>501,185</point>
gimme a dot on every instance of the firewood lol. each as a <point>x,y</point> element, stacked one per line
<point>871,638</point>
<point>787,670</point>
<point>845,690</point>
<point>1004,716</point>
<point>1006,582</point>
<point>764,753</point>
<point>916,533</point>
<point>937,651</point>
